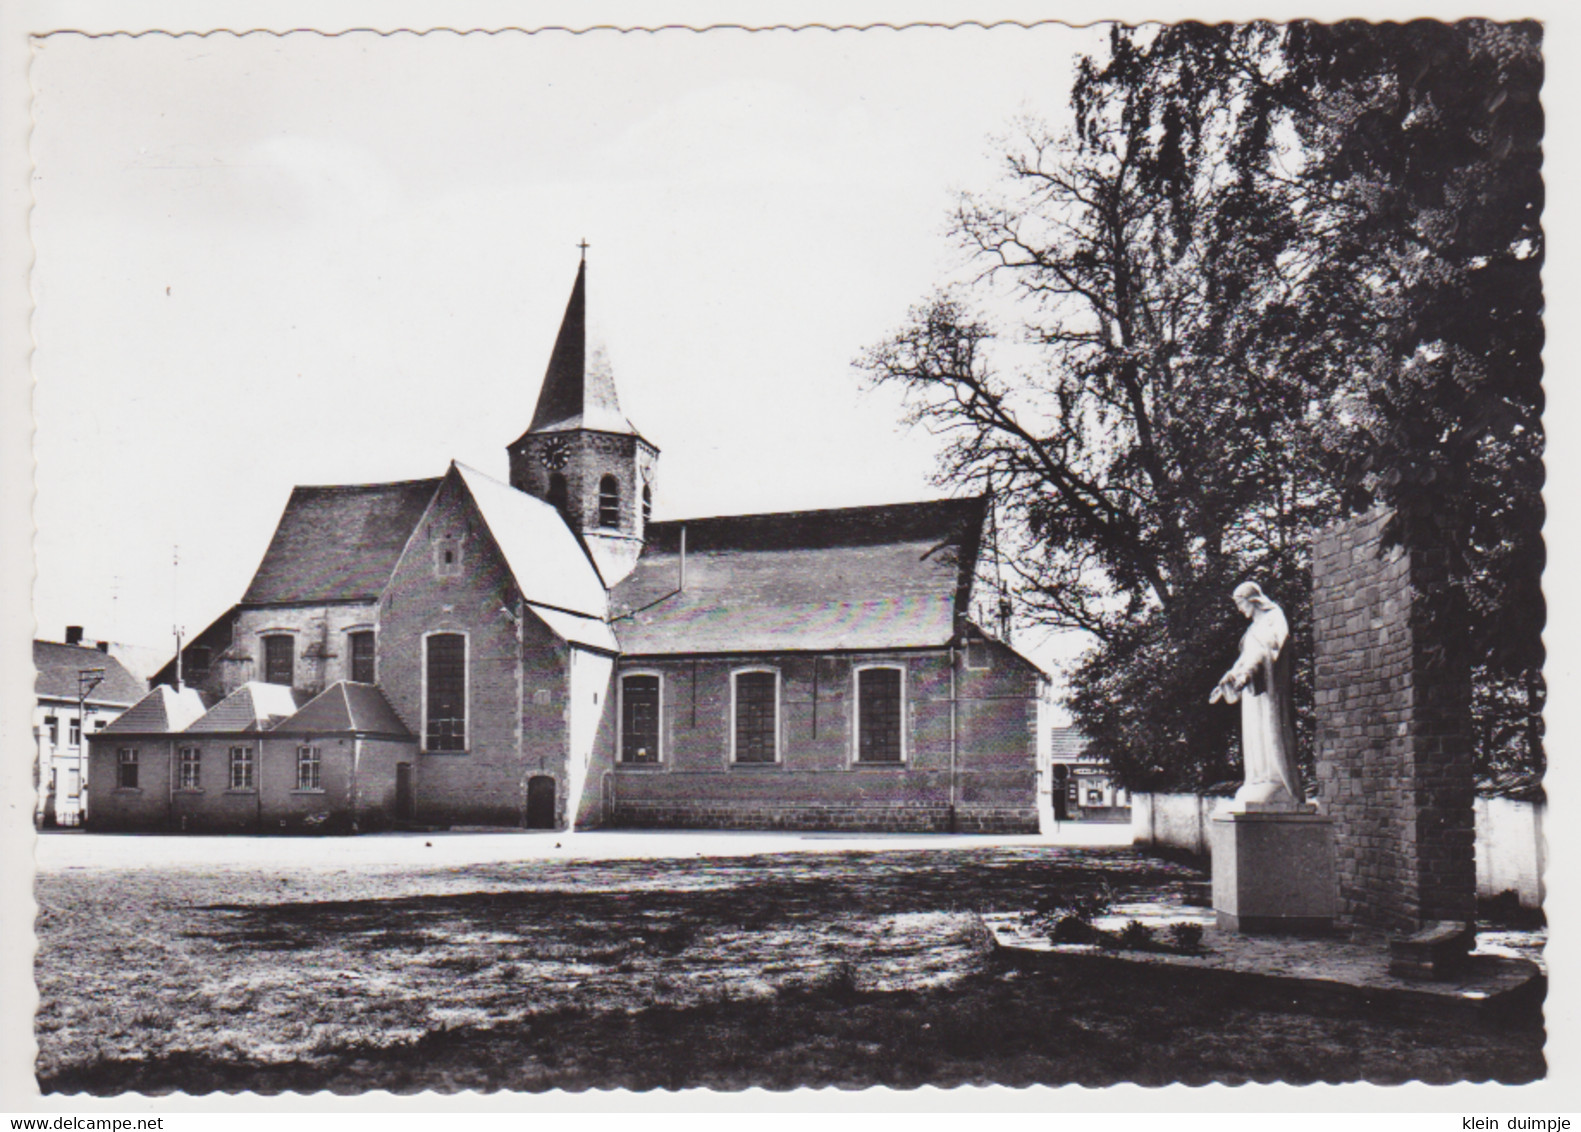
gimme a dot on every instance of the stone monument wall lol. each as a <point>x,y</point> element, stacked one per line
<point>1393,705</point>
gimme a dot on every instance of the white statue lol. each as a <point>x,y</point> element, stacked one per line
<point>1260,680</point>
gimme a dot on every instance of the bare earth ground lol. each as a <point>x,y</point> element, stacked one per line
<point>781,969</point>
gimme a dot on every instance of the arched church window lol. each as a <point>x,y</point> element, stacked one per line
<point>557,498</point>
<point>647,504</point>
<point>609,502</point>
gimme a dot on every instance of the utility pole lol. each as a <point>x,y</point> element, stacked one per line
<point>87,680</point>
<point>175,606</point>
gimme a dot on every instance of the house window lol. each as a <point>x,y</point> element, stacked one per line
<point>308,762</point>
<point>100,724</point>
<point>76,732</point>
<point>609,502</point>
<point>879,715</point>
<point>557,494</point>
<point>647,504</point>
<point>241,768</point>
<point>126,768</point>
<point>446,717</point>
<point>279,659</point>
<point>1095,797</point>
<point>191,768</point>
<point>755,730</point>
<point>361,648</point>
<point>639,719</point>
<point>53,723</point>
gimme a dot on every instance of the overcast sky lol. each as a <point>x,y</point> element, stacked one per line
<point>271,261</point>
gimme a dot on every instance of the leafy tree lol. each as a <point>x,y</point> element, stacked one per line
<point>1242,278</point>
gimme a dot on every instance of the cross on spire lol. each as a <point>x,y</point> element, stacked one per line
<point>584,245</point>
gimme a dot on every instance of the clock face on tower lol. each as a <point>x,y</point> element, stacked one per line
<point>555,453</point>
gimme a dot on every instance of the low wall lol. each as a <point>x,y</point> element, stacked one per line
<point>1173,821</point>
<point>1512,853</point>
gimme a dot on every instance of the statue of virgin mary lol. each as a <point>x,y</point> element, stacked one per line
<point>1260,681</point>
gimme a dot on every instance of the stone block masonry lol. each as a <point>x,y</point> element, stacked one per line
<point>1392,693</point>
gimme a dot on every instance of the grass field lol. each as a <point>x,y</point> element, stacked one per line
<point>797,969</point>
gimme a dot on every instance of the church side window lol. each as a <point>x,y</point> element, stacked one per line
<point>647,504</point>
<point>639,719</point>
<point>279,659</point>
<point>755,706</point>
<point>191,768</point>
<point>609,502</point>
<point>241,768</point>
<point>879,715</point>
<point>126,768</point>
<point>360,645</point>
<point>445,720</point>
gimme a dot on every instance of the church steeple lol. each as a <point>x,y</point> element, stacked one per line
<point>579,385</point>
<point>580,452</point>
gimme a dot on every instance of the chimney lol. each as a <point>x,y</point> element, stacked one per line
<point>74,634</point>
<point>103,646</point>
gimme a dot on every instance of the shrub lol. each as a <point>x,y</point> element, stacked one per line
<point>1186,937</point>
<point>1136,936</point>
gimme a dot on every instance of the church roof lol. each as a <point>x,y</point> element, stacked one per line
<point>349,707</point>
<point>864,578</point>
<point>160,712</point>
<point>548,561</point>
<point>579,386</point>
<point>338,543</point>
<point>255,706</point>
<point>57,665</point>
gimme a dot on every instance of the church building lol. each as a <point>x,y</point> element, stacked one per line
<point>465,652</point>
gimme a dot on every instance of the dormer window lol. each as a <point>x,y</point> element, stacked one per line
<point>609,502</point>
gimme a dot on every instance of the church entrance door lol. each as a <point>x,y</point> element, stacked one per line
<point>540,802</point>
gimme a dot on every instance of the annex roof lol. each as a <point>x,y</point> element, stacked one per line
<point>579,386</point>
<point>548,561</point>
<point>862,578</point>
<point>162,711</point>
<point>338,543</point>
<point>349,707</point>
<point>255,706</point>
<point>56,667</point>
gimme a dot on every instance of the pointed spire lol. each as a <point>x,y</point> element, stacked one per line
<point>579,386</point>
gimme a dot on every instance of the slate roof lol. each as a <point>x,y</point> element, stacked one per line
<point>1068,743</point>
<point>254,706</point>
<point>160,712</point>
<point>548,561</point>
<point>348,707</point>
<point>861,578</point>
<point>338,543</point>
<point>579,386</point>
<point>57,667</point>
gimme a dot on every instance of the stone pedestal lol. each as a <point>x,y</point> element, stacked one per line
<point>1273,870</point>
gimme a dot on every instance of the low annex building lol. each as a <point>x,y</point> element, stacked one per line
<point>541,653</point>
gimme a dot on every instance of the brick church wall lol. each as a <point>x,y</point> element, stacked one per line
<point>1393,699</point>
<point>817,784</point>
<point>516,684</point>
